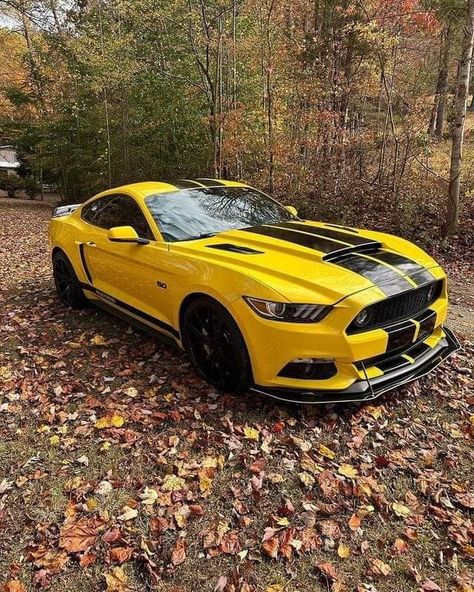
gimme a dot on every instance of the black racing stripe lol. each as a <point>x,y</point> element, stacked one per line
<point>132,309</point>
<point>422,277</point>
<point>84,262</point>
<point>388,280</point>
<point>427,323</point>
<point>400,335</point>
<point>210,182</point>
<point>411,268</point>
<point>297,238</point>
<point>184,183</point>
<point>344,237</point>
<point>342,228</point>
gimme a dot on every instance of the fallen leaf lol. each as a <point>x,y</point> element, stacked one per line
<point>128,514</point>
<point>178,555</point>
<point>251,433</point>
<point>348,471</point>
<point>271,547</point>
<point>354,521</point>
<point>327,569</point>
<point>173,483</point>
<point>325,451</point>
<point>77,536</point>
<point>401,510</point>
<point>343,551</point>
<point>307,479</point>
<point>380,568</point>
<point>114,421</point>
<point>14,586</point>
<point>149,496</point>
<point>400,546</point>
<point>116,580</point>
<point>120,554</point>
<point>430,586</point>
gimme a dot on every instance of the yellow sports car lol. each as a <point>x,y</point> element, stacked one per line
<point>260,299</point>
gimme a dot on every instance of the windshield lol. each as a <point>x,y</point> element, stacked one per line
<point>197,213</point>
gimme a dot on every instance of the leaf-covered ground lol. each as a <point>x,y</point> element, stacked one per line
<point>120,470</point>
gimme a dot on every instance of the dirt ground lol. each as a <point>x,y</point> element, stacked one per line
<point>121,470</point>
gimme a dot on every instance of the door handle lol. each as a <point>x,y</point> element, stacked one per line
<point>91,244</point>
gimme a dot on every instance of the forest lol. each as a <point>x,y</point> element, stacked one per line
<point>352,111</point>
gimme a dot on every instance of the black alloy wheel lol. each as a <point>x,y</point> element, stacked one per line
<point>68,286</point>
<point>216,346</point>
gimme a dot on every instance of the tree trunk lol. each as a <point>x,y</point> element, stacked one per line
<point>462,88</point>
<point>442,86</point>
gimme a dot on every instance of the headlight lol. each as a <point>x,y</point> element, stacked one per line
<point>290,313</point>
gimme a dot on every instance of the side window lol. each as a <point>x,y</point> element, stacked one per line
<point>92,210</point>
<point>122,210</point>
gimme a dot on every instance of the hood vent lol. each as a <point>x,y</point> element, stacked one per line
<point>235,249</point>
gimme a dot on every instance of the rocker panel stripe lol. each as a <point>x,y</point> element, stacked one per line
<point>131,309</point>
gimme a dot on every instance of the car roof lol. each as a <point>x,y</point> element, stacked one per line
<point>146,188</point>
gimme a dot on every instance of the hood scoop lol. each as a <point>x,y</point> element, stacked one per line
<point>235,249</point>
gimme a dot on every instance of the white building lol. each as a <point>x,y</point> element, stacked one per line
<point>9,163</point>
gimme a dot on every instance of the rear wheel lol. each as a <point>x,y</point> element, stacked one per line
<point>216,346</point>
<point>68,286</point>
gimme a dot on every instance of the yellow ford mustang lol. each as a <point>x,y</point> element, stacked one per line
<point>260,299</point>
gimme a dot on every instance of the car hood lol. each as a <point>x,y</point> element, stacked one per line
<point>316,262</point>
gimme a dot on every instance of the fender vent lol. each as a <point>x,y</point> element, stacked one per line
<point>235,249</point>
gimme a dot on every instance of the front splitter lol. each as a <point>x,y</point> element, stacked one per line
<point>369,389</point>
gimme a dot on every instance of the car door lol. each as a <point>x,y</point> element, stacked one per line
<point>124,272</point>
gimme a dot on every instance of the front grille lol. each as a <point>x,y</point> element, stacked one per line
<point>396,308</point>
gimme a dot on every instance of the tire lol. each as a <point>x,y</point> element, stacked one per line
<point>215,345</point>
<point>67,285</point>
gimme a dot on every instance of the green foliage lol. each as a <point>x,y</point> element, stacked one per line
<point>11,185</point>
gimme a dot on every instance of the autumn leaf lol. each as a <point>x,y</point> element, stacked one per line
<point>430,586</point>
<point>173,483</point>
<point>98,340</point>
<point>307,479</point>
<point>116,580</point>
<point>178,555</point>
<point>325,451</point>
<point>380,568</point>
<point>343,551</point>
<point>114,421</point>
<point>120,554</point>
<point>354,521</point>
<point>251,433</point>
<point>128,514</point>
<point>271,547</point>
<point>275,588</point>
<point>54,440</point>
<point>400,546</point>
<point>327,569</point>
<point>401,510</point>
<point>149,496</point>
<point>14,586</point>
<point>347,471</point>
<point>78,536</point>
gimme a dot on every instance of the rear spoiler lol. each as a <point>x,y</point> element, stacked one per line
<point>64,210</point>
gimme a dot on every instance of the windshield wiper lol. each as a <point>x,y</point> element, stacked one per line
<point>206,235</point>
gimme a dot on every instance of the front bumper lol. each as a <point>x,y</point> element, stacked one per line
<point>370,388</point>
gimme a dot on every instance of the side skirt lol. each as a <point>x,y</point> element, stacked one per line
<point>122,308</point>
<point>137,324</point>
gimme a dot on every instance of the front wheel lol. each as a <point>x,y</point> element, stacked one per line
<point>68,286</point>
<point>216,346</point>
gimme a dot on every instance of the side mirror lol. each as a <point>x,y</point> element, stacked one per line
<point>125,234</point>
<point>292,210</point>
